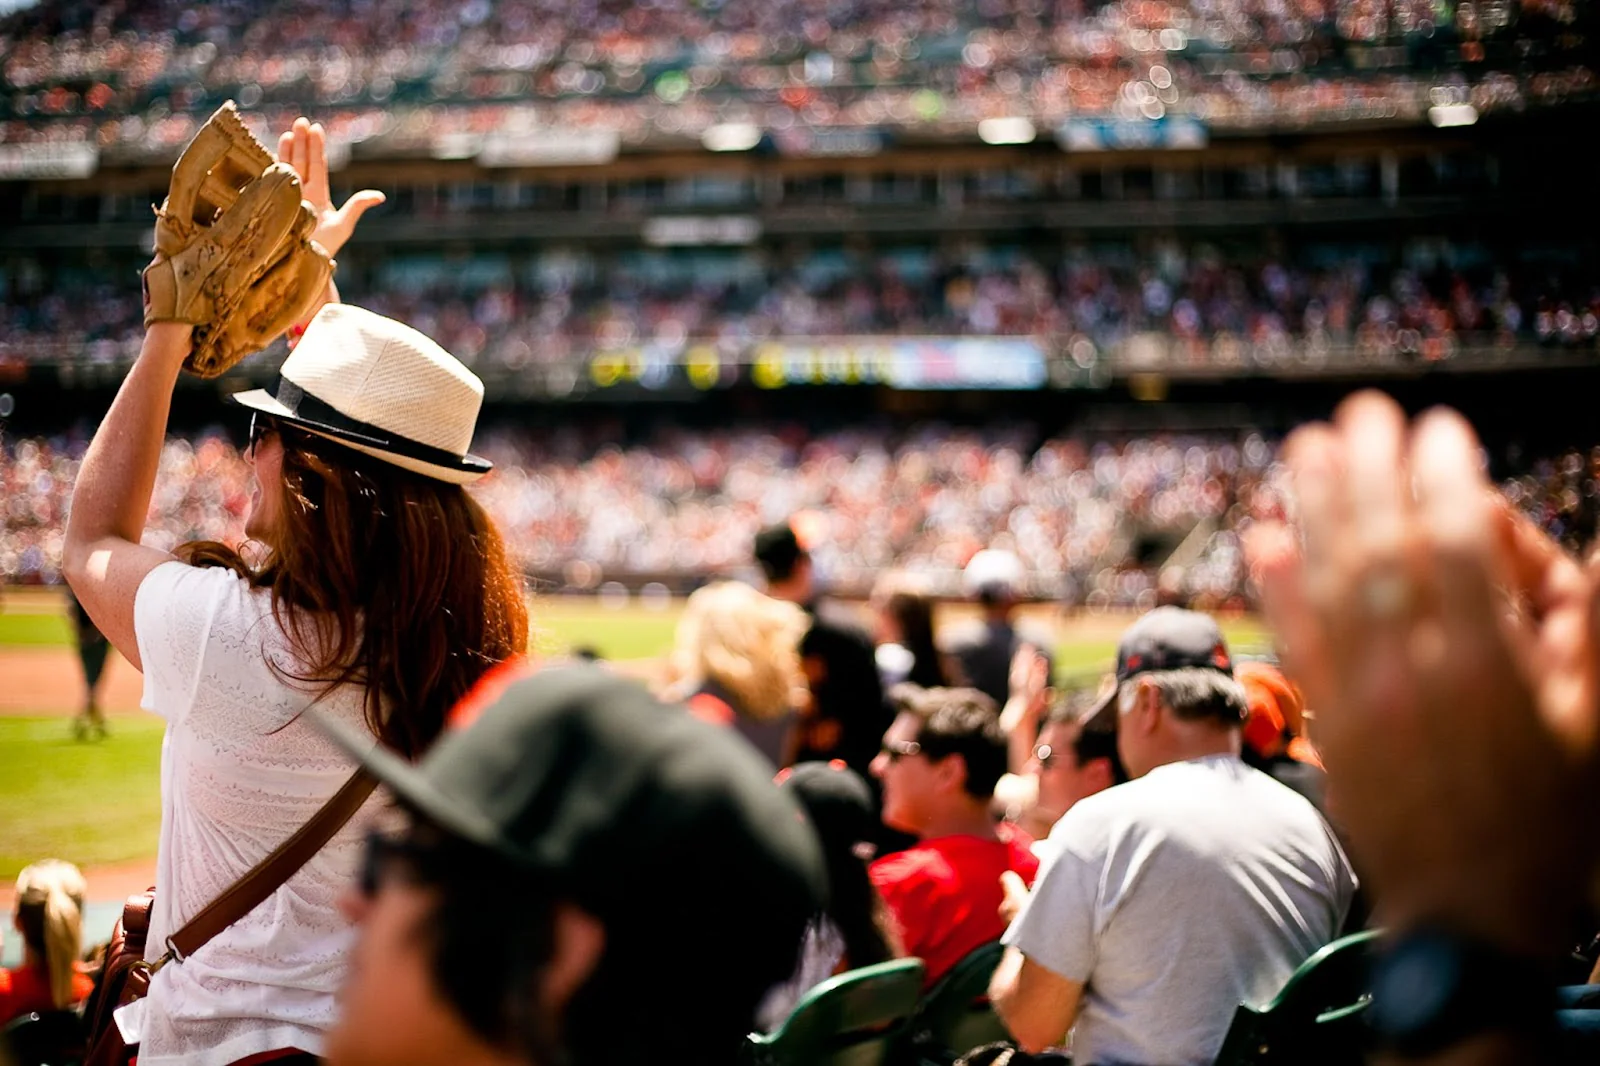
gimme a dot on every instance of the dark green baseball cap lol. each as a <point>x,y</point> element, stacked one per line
<point>668,829</point>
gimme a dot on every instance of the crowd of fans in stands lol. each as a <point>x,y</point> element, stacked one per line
<point>139,77</point>
<point>578,509</point>
<point>507,313</point>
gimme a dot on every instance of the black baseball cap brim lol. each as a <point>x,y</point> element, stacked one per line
<point>1103,715</point>
<point>583,775</point>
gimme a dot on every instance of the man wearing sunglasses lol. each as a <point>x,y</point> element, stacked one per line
<point>587,876</point>
<point>941,759</point>
<point>1072,761</point>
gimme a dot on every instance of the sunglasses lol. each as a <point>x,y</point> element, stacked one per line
<point>900,749</point>
<point>260,426</point>
<point>383,857</point>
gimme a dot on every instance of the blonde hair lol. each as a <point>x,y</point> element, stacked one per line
<point>50,908</point>
<point>744,641</point>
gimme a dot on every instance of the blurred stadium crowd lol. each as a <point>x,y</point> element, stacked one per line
<point>138,77</point>
<point>1097,524</point>
<point>1425,299</point>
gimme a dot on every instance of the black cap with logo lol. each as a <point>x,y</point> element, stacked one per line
<point>1167,638</point>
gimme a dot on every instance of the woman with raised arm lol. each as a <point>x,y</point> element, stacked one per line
<point>380,591</point>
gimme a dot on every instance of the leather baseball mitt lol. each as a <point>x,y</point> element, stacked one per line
<point>234,254</point>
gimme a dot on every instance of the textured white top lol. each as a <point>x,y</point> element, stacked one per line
<point>241,770</point>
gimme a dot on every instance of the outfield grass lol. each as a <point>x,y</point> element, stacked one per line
<point>86,802</point>
<point>631,632</point>
<point>1084,661</point>
<point>34,630</point>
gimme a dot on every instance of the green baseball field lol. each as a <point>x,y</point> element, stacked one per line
<point>97,803</point>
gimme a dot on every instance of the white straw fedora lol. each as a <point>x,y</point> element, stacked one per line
<point>382,388</point>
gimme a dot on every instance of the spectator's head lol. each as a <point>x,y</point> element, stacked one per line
<point>743,643</point>
<point>785,562</point>
<point>941,758</point>
<point>360,461</point>
<point>1276,710</point>
<point>1073,759</point>
<point>993,577</point>
<point>903,613</point>
<point>1175,697</point>
<point>49,916</point>
<point>373,387</point>
<point>567,850</point>
<point>841,808</point>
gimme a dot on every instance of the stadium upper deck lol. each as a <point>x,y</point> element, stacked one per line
<point>543,78</point>
<point>582,194</point>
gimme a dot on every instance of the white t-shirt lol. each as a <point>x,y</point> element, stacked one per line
<point>1176,897</point>
<point>241,770</point>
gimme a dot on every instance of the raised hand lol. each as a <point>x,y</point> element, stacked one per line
<point>305,147</point>
<point>1450,650</point>
<point>1029,694</point>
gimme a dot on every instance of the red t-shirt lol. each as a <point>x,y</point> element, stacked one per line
<point>945,893</point>
<point>24,990</point>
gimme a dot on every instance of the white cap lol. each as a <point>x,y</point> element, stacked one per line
<point>992,570</point>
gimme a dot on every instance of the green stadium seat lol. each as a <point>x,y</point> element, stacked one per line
<point>1316,1020</point>
<point>853,1019</point>
<point>955,1016</point>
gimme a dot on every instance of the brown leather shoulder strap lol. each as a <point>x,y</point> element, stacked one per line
<point>271,872</point>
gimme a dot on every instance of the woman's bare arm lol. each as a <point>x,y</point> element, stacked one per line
<point>104,561</point>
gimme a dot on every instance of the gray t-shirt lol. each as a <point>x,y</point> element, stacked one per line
<point>1175,898</point>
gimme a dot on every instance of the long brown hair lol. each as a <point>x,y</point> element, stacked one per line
<point>384,578</point>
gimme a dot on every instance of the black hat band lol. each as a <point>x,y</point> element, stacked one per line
<point>318,415</point>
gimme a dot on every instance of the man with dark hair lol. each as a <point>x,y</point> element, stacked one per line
<point>940,761</point>
<point>981,656</point>
<point>1166,902</point>
<point>570,856</point>
<point>848,714</point>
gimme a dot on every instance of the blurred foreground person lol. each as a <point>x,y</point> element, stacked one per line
<point>49,915</point>
<point>588,876</point>
<point>940,761</point>
<point>381,593</point>
<point>736,663</point>
<point>1451,651</point>
<point>1165,902</point>
<point>848,714</point>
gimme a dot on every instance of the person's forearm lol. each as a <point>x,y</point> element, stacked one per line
<point>112,495</point>
<point>1022,729</point>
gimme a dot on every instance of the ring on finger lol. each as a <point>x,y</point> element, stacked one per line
<point>1386,595</point>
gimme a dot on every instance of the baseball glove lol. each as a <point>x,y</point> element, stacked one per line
<point>234,254</point>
